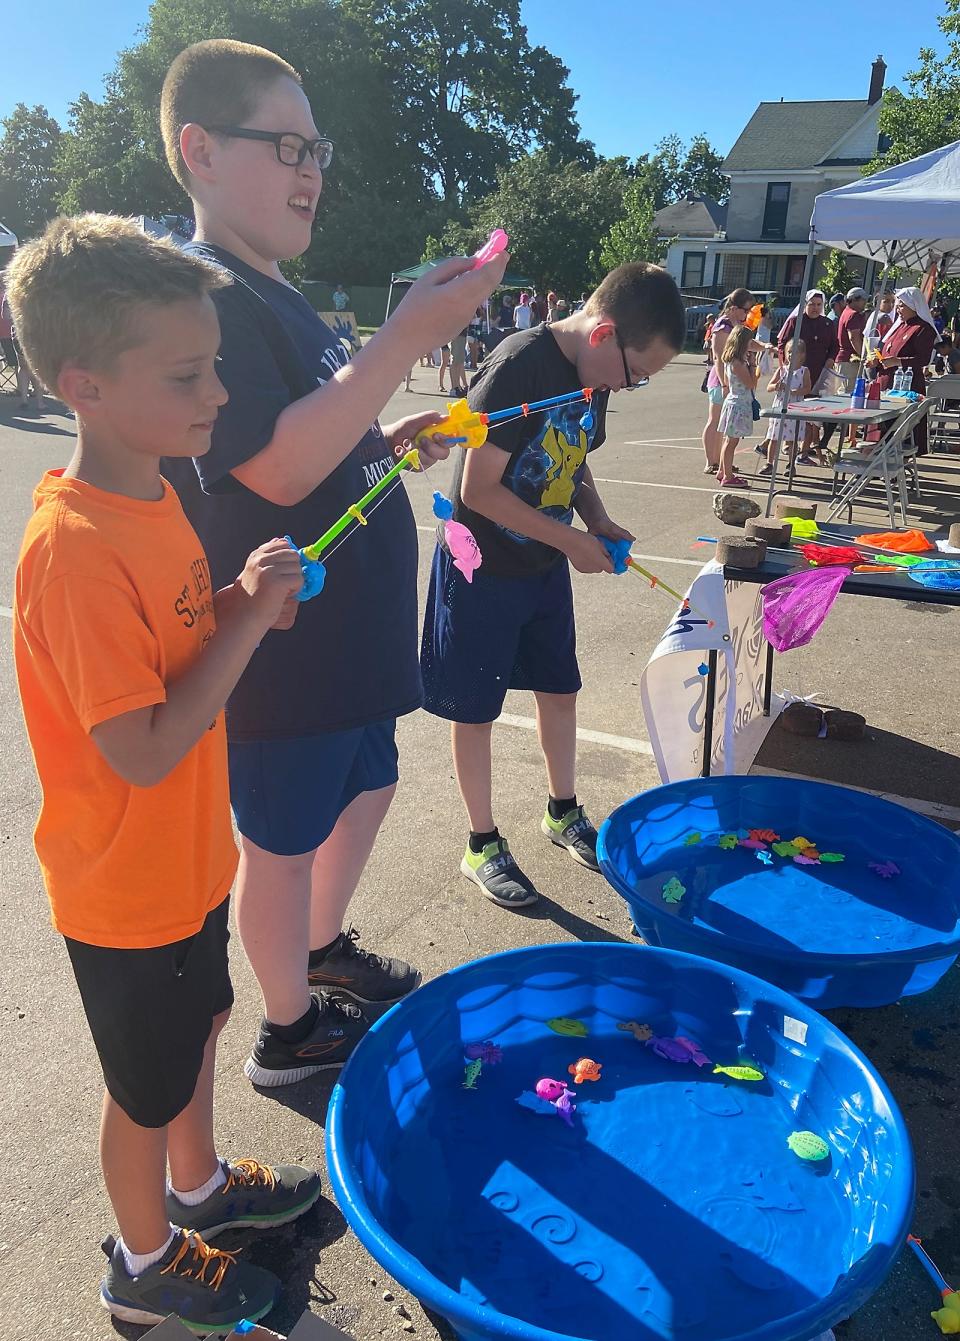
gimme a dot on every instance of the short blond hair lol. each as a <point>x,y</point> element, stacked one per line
<point>217,82</point>
<point>75,291</point>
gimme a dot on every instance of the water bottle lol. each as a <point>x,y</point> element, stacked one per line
<point>858,399</point>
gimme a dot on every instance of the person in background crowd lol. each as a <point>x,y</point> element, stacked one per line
<point>551,306</point>
<point>474,339</point>
<point>341,299</point>
<point>837,305</point>
<point>909,344</point>
<point>523,314</point>
<point>881,318</point>
<point>505,315</point>
<point>458,364</point>
<point>946,358</point>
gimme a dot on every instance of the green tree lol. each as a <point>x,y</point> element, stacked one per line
<point>476,93</point>
<point>928,115</point>
<point>28,169</point>
<point>700,173</point>
<point>837,275</point>
<point>634,236</point>
<point>555,215</point>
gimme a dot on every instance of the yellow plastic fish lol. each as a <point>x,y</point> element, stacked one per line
<point>569,1028</point>
<point>802,843</point>
<point>739,1072</point>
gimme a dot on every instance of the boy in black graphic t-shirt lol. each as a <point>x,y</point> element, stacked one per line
<point>313,764</point>
<point>512,627</point>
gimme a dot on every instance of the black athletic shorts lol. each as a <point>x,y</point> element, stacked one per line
<point>150,1013</point>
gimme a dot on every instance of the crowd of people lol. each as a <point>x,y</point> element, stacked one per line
<point>821,349</point>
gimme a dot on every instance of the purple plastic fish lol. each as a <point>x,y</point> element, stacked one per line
<point>555,1092</point>
<point>678,1050</point>
<point>485,1052</point>
<point>885,869</point>
<point>801,860</point>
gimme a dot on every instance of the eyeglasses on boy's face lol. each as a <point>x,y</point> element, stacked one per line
<point>630,383</point>
<point>291,148</point>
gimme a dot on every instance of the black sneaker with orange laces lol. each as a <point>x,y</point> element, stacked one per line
<point>345,967</point>
<point>339,1028</point>
<point>254,1194</point>
<point>207,1289</point>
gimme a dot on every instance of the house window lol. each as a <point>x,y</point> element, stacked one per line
<point>775,209</point>
<point>883,142</point>
<point>757,273</point>
<point>692,274</point>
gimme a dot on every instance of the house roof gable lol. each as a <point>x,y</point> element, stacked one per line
<point>784,135</point>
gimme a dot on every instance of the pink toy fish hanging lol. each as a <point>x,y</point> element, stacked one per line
<point>795,606</point>
<point>463,547</point>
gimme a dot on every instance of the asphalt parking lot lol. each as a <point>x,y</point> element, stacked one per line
<point>893,663</point>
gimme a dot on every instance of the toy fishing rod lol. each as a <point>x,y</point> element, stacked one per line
<point>469,427</point>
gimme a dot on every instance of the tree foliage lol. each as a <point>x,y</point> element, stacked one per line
<point>672,171</point>
<point>928,115</point>
<point>837,275</point>
<point>28,177</point>
<point>633,237</point>
<point>554,213</point>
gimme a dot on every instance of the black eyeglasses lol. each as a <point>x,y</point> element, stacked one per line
<point>291,147</point>
<point>628,383</point>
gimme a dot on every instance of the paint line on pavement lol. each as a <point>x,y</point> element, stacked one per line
<point>677,446</point>
<point>649,484</point>
<point>628,743</point>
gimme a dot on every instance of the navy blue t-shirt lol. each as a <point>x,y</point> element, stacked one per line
<point>351,657</point>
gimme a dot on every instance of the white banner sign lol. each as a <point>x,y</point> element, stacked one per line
<point>673,689</point>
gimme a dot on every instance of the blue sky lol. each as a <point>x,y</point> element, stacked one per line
<point>701,67</point>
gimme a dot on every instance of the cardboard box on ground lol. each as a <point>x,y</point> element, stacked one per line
<point>309,1328</point>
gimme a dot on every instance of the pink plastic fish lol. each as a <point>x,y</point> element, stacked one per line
<point>555,1092</point>
<point>754,844</point>
<point>463,547</point>
<point>494,245</point>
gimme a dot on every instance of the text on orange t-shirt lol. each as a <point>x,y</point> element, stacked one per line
<point>113,601</point>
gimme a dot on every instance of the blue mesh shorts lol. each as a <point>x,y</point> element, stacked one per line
<point>484,637</point>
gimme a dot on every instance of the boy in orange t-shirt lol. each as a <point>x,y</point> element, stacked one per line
<point>125,657</point>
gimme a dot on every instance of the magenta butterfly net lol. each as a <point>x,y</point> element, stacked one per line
<point>795,606</point>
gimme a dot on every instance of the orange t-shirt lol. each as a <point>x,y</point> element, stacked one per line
<point>113,600</point>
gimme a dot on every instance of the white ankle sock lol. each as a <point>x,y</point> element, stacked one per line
<point>199,1194</point>
<point>137,1263</point>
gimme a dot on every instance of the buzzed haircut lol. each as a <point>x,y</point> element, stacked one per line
<point>643,302</point>
<point>217,82</point>
<point>76,291</point>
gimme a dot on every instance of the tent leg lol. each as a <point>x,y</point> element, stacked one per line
<point>389,300</point>
<point>794,359</point>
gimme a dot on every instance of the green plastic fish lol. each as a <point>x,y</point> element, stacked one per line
<point>728,840</point>
<point>673,891</point>
<point>786,849</point>
<point>831,856</point>
<point>691,840</point>
<point>471,1074</point>
<point>569,1028</point>
<point>739,1072</point>
<point>808,1145</point>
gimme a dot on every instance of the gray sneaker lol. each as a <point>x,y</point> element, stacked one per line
<point>254,1194</point>
<point>207,1289</point>
<point>574,832</point>
<point>496,872</point>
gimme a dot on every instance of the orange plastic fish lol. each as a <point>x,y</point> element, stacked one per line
<point>764,835</point>
<point>584,1068</point>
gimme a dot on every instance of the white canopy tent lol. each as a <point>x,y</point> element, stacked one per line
<point>8,241</point>
<point>907,216</point>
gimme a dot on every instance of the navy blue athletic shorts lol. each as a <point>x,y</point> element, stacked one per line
<point>484,637</point>
<point>287,795</point>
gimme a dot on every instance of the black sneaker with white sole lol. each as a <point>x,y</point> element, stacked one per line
<point>207,1289</point>
<point>347,968</point>
<point>496,871</point>
<point>339,1028</point>
<point>254,1194</point>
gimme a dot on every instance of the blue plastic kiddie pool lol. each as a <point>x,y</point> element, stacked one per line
<point>870,917</point>
<point>672,1201</point>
